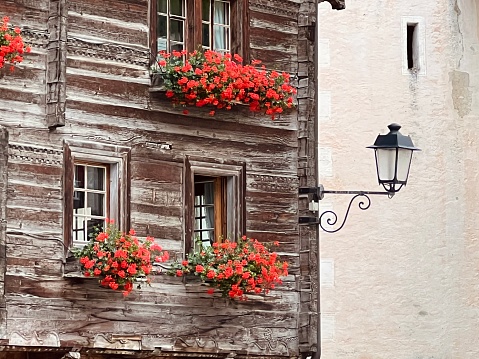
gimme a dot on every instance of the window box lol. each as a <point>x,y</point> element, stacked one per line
<point>220,81</point>
<point>119,260</point>
<point>235,269</point>
<point>157,83</point>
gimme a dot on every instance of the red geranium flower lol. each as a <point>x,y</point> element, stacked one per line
<point>236,269</point>
<point>213,79</point>
<point>12,47</point>
<point>118,259</point>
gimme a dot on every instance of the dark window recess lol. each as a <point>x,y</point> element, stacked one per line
<point>412,46</point>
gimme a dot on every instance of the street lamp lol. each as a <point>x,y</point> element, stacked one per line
<point>393,153</point>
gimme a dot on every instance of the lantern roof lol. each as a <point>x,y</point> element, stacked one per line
<point>394,139</point>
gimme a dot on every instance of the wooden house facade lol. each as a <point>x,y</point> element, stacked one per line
<point>82,104</point>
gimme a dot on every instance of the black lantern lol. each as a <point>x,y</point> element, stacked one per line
<point>393,158</point>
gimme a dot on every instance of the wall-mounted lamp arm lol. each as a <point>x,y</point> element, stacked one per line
<point>330,217</point>
<point>390,194</point>
<point>320,191</point>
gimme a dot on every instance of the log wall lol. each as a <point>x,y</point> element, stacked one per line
<point>87,82</point>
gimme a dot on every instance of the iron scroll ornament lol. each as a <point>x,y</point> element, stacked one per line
<point>329,217</point>
<point>331,221</point>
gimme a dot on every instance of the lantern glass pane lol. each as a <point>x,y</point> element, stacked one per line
<point>404,160</point>
<point>386,162</point>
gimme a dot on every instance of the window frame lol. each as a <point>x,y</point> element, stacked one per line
<point>106,192</point>
<point>117,158</point>
<point>235,206</point>
<point>239,28</point>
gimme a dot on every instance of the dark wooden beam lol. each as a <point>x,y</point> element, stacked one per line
<point>56,64</point>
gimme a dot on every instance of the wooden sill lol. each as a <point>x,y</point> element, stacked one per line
<point>161,88</point>
<point>72,268</point>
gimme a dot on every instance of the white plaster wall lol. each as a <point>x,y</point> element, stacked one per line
<point>401,280</point>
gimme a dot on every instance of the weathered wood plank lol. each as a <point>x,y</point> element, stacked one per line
<point>123,10</point>
<point>3,225</point>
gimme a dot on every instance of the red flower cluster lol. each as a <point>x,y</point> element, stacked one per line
<point>11,45</point>
<point>235,268</point>
<point>118,259</point>
<point>212,79</point>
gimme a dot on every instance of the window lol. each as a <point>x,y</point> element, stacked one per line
<point>214,203</point>
<point>90,206</point>
<point>211,208</point>
<point>215,25</point>
<point>171,25</point>
<point>414,45</point>
<point>412,60</point>
<point>220,25</point>
<point>95,188</point>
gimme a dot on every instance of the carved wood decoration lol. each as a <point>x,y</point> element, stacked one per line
<point>56,64</point>
<point>35,339</point>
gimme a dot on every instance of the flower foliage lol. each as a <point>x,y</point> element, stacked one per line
<point>236,269</point>
<point>118,259</point>
<point>12,47</point>
<point>221,81</point>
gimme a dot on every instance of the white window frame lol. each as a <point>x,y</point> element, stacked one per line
<point>169,17</point>
<point>213,26</point>
<point>116,158</point>
<point>80,218</point>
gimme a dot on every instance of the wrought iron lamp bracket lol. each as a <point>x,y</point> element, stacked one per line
<point>329,217</point>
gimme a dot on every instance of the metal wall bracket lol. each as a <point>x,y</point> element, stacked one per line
<point>329,218</point>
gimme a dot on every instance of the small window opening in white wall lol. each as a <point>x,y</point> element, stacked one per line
<point>412,47</point>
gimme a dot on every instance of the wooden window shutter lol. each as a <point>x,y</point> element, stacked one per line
<point>188,205</point>
<point>220,209</point>
<point>68,177</point>
<point>124,186</point>
<point>240,29</point>
<point>153,38</point>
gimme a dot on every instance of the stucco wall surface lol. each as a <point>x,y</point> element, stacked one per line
<point>401,280</point>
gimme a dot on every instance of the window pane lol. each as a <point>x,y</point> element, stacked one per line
<point>162,45</point>
<point>206,35</point>
<point>221,13</point>
<point>176,47</point>
<point>176,7</point>
<point>209,193</point>
<point>79,229</point>
<point>176,30</point>
<point>205,10</point>
<point>162,6</point>
<point>94,225</point>
<point>162,26</point>
<point>79,181</point>
<point>78,202</point>
<point>221,38</point>
<point>96,178</point>
<point>96,202</point>
<point>207,237</point>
